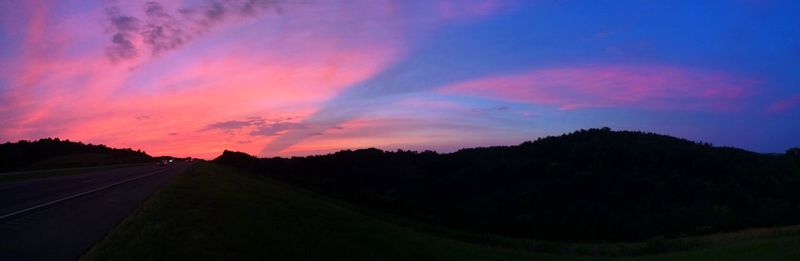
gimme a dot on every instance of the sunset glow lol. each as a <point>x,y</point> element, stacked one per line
<point>193,78</point>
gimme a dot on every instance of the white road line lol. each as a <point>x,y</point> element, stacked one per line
<point>78,195</point>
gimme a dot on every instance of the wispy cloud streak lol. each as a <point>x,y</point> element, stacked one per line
<point>785,105</point>
<point>639,86</point>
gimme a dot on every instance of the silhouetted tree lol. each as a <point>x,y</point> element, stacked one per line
<point>793,152</point>
<point>43,153</point>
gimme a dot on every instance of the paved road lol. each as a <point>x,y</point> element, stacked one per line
<point>60,218</point>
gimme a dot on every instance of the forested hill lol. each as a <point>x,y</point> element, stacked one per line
<point>592,184</point>
<point>56,153</point>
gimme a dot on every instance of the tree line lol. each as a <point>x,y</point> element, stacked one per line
<point>54,152</point>
<point>588,185</point>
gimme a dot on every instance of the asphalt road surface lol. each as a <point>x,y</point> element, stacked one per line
<point>60,218</point>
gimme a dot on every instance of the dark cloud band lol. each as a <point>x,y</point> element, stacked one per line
<point>161,31</point>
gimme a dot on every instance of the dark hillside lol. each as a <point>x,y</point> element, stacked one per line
<point>55,153</point>
<point>592,184</point>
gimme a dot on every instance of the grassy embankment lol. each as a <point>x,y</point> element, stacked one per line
<point>214,212</point>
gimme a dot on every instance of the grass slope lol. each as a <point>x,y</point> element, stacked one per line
<point>589,185</point>
<point>213,212</point>
<point>780,248</point>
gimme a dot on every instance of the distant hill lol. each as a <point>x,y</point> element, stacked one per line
<point>55,153</point>
<point>592,184</point>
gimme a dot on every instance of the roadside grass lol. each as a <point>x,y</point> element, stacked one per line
<point>37,174</point>
<point>653,246</point>
<point>779,248</point>
<point>644,249</point>
<point>216,212</point>
<point>211,212</point>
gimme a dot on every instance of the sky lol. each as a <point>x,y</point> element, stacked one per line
<point>302,77</point>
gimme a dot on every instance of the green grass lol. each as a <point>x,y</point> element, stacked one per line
<point>37,174</point>
<point>211,212</point>
<point>778,248</point>
<point>214,212</point>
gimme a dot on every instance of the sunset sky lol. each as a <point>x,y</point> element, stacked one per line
<point>300,77</point>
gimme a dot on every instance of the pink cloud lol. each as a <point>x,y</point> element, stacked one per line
<point>36,65</point>
<point>642,86</point>
<point>214,91</point>
<point>56,92</point>
<point>785,104</point>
